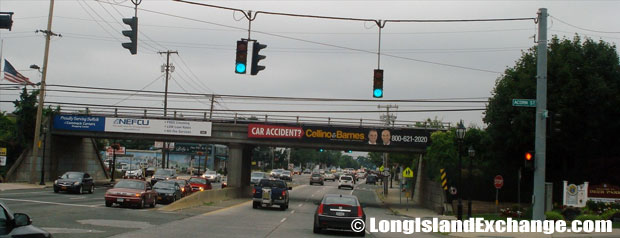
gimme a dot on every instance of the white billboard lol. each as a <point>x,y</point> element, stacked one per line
<point>154,126</point>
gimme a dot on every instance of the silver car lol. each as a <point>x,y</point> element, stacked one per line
<point>286,175</point>
<point>255,177</point>
<point>212,176</point>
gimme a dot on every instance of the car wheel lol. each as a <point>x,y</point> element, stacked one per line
<point>108,203</point>
<point>92,189</point>
<point>55,190</point>
<point>322,184</point>
<point>316,229</point>
<point>141,205</point>
<point>254,205</point>
<point>282,207</point>
<point>79,189</point>
<point>339,187</point>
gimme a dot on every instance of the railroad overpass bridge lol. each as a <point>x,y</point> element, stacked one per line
<point>70,140</point>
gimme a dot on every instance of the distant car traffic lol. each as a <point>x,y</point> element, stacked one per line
<point>78,182</point>
<point>163,174</point>
<point>345,181</point>
<point>168,191</point>
<point>199,184</point>
<point>296,171</point>
<point>307,171</point>
<point>131,192</point>
<point>275,173</point>
<point>371,179</point>
<point>337,212</point>
<point>330,176</point>
<point>255,177</point>
<point>133,174</point>
<point>186,189</point>
<point>316,178</point>
<point>212,176</point>
<point>286,175</point>
<point>269,192</point>
<point>18,225</point>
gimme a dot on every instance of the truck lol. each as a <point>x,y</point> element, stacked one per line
<point>269,192</point>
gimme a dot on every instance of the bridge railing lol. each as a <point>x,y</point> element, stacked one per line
<point>243,118</point>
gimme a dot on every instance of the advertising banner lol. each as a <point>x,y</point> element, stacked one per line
<point>79,123</point>
<point>110,151</point>
<point>323,134</point>
<point>153,126</point>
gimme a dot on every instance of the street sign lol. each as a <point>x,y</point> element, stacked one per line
<point>253,162</point>
<point>499,181</point>
<point>381,168</point>
<point>408,173</point>
<point>523,102</point>
<point>2,160</point>
<point>2,151</point>
<point>453,190</point>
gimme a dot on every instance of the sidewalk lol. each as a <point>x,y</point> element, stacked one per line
<point>393,202</point>
<point>14,186</point>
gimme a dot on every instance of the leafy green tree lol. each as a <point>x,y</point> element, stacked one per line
<point>26,112</point>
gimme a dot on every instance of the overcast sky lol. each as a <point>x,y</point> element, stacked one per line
<point>313,58</point>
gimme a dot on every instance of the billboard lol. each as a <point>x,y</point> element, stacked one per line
<point>132,125</point>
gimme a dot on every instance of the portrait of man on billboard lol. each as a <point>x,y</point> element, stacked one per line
<point>385,137</point>
<point>373,135</point>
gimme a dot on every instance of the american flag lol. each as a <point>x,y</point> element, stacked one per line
<point>12,75</point>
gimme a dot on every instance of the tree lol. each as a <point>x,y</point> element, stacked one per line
<point>26,112</point>
<point>583,85</point>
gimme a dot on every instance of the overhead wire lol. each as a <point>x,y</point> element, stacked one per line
<point>585,29</point>
<point>136,92</point>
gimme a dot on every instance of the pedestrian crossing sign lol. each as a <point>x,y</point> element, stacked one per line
<point>408,173</point>
<point>381,168</point>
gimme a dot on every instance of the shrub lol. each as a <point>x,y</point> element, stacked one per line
<point>586,217</point>
<point>553,215</point>
<point>607,215</point>
<point>570,213</point>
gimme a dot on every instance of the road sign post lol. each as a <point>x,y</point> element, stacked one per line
<point>523,103</point>
<point>499,183</point>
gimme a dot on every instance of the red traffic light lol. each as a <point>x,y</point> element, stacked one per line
<point>528,156</point>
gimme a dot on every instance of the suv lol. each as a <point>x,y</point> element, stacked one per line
<point>345,181</point>
<point>18,225</point>
<point>316,178</point>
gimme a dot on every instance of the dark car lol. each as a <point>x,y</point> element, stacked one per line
<point>199,184</point>
<point>337,212</point>
<point>316,178</point>
<point>78,182</point>
<point>18,225</point>
<point>186,189</point>
<point>168,191</point>
<point>286,175</point>
<point>269,192</point>
<point>371,179</point>
<point>163,174</point>
<point>131,192</point>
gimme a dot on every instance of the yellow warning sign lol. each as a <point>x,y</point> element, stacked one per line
<point>2,151</point>
<point>408,173</point>
<point>381,168</point>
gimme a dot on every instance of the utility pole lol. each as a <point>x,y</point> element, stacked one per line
<point>538,199</point>
<point>167,68</point>
<point>37,130</point>
<point>389,121</point>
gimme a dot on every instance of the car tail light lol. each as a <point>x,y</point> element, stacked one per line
<point>253,190</point>
<point>283,193</point>
<point>138,195</point>
<point>360,213</point>
<point>202,189</point>
<point>182,189</point>
<point>321,209</point>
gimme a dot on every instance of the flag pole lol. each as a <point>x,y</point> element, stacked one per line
<point>37,130</point>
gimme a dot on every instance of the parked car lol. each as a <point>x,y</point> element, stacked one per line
<point>269,192</point>
<point>18,225</point>
<point>286,175</point>
<point>345,181</point>
<point>212,176</point>
<point>168,191</point>
<point>133,174</point>
<point>307,171</point>
<point>337,212</point>
<point>316,178</point>
<point>150,171</point>
<point>330,176</point>
<point>255,177</point>
<point>131,192</point>
<point>163,174</point>
<point>78,182</point>
<point>186,189</point>
<point>371,179</point>
<point>199,184</point>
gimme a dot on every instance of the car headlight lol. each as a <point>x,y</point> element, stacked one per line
<point>55,181</point>
<point>76,183</point>
<point>202,189</point>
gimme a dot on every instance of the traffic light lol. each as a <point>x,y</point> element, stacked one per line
<point>349,151</point>
<point>6,20</point>
<point>529,160</point>
<point>241,61</point>
<point>132,34</point>
<point>256,57</point>
<point>377,89</point>
<point>320,150</point>
<point>557,122</point>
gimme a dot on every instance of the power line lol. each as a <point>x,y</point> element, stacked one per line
<point>585,29</point>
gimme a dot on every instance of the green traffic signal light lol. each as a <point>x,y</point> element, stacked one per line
<point>242,57</point>
<point>377,91</point>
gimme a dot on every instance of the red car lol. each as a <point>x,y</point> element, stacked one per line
<point>186,189</point>
<point>199,184</point>
<point>131,192</point>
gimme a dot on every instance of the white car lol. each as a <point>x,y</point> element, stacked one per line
<point>212,176</point>
<point>255,177</point>
<point>137,173</point>
<point>345,181</point>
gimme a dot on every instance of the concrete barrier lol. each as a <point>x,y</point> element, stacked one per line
<point>208,196</point>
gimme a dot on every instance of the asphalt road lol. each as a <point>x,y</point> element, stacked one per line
<point>84,215</point>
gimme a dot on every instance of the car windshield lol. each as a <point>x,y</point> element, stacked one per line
<point>257,174</point>
<point>210,172</point>
<point>72,175</point>
<point>316,175</point>
<point>130,184</point>
<point>286,172</point>
<point>272,184</point>
<point>180,182</point>
<point>346,178</point>
<point>164,172</point>
<point>340,200</point>
<point>197,180</point>
<point>164,185</point>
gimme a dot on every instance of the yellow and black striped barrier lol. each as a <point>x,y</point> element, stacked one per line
<point>444,179</point>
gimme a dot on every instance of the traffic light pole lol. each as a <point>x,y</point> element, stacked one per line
<point>541,107</point>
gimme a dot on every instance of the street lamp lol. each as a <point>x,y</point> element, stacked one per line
<point>472,154</point>
<point>460,134</point>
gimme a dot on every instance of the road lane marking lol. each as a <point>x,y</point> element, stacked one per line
<point>293,211</point>
<point>301,204</point>
<point>42,202</point>
<point>21,193</point>
<point>283,219</point>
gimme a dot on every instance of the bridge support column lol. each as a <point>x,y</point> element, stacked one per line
<point>238,165</point>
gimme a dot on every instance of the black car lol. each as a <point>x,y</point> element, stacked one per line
<point>337,212</point>
<point>78,182</point>
<point>371,179</point>
<point>163,174</point>
<point>168,191</point>
<point>18,225</point>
